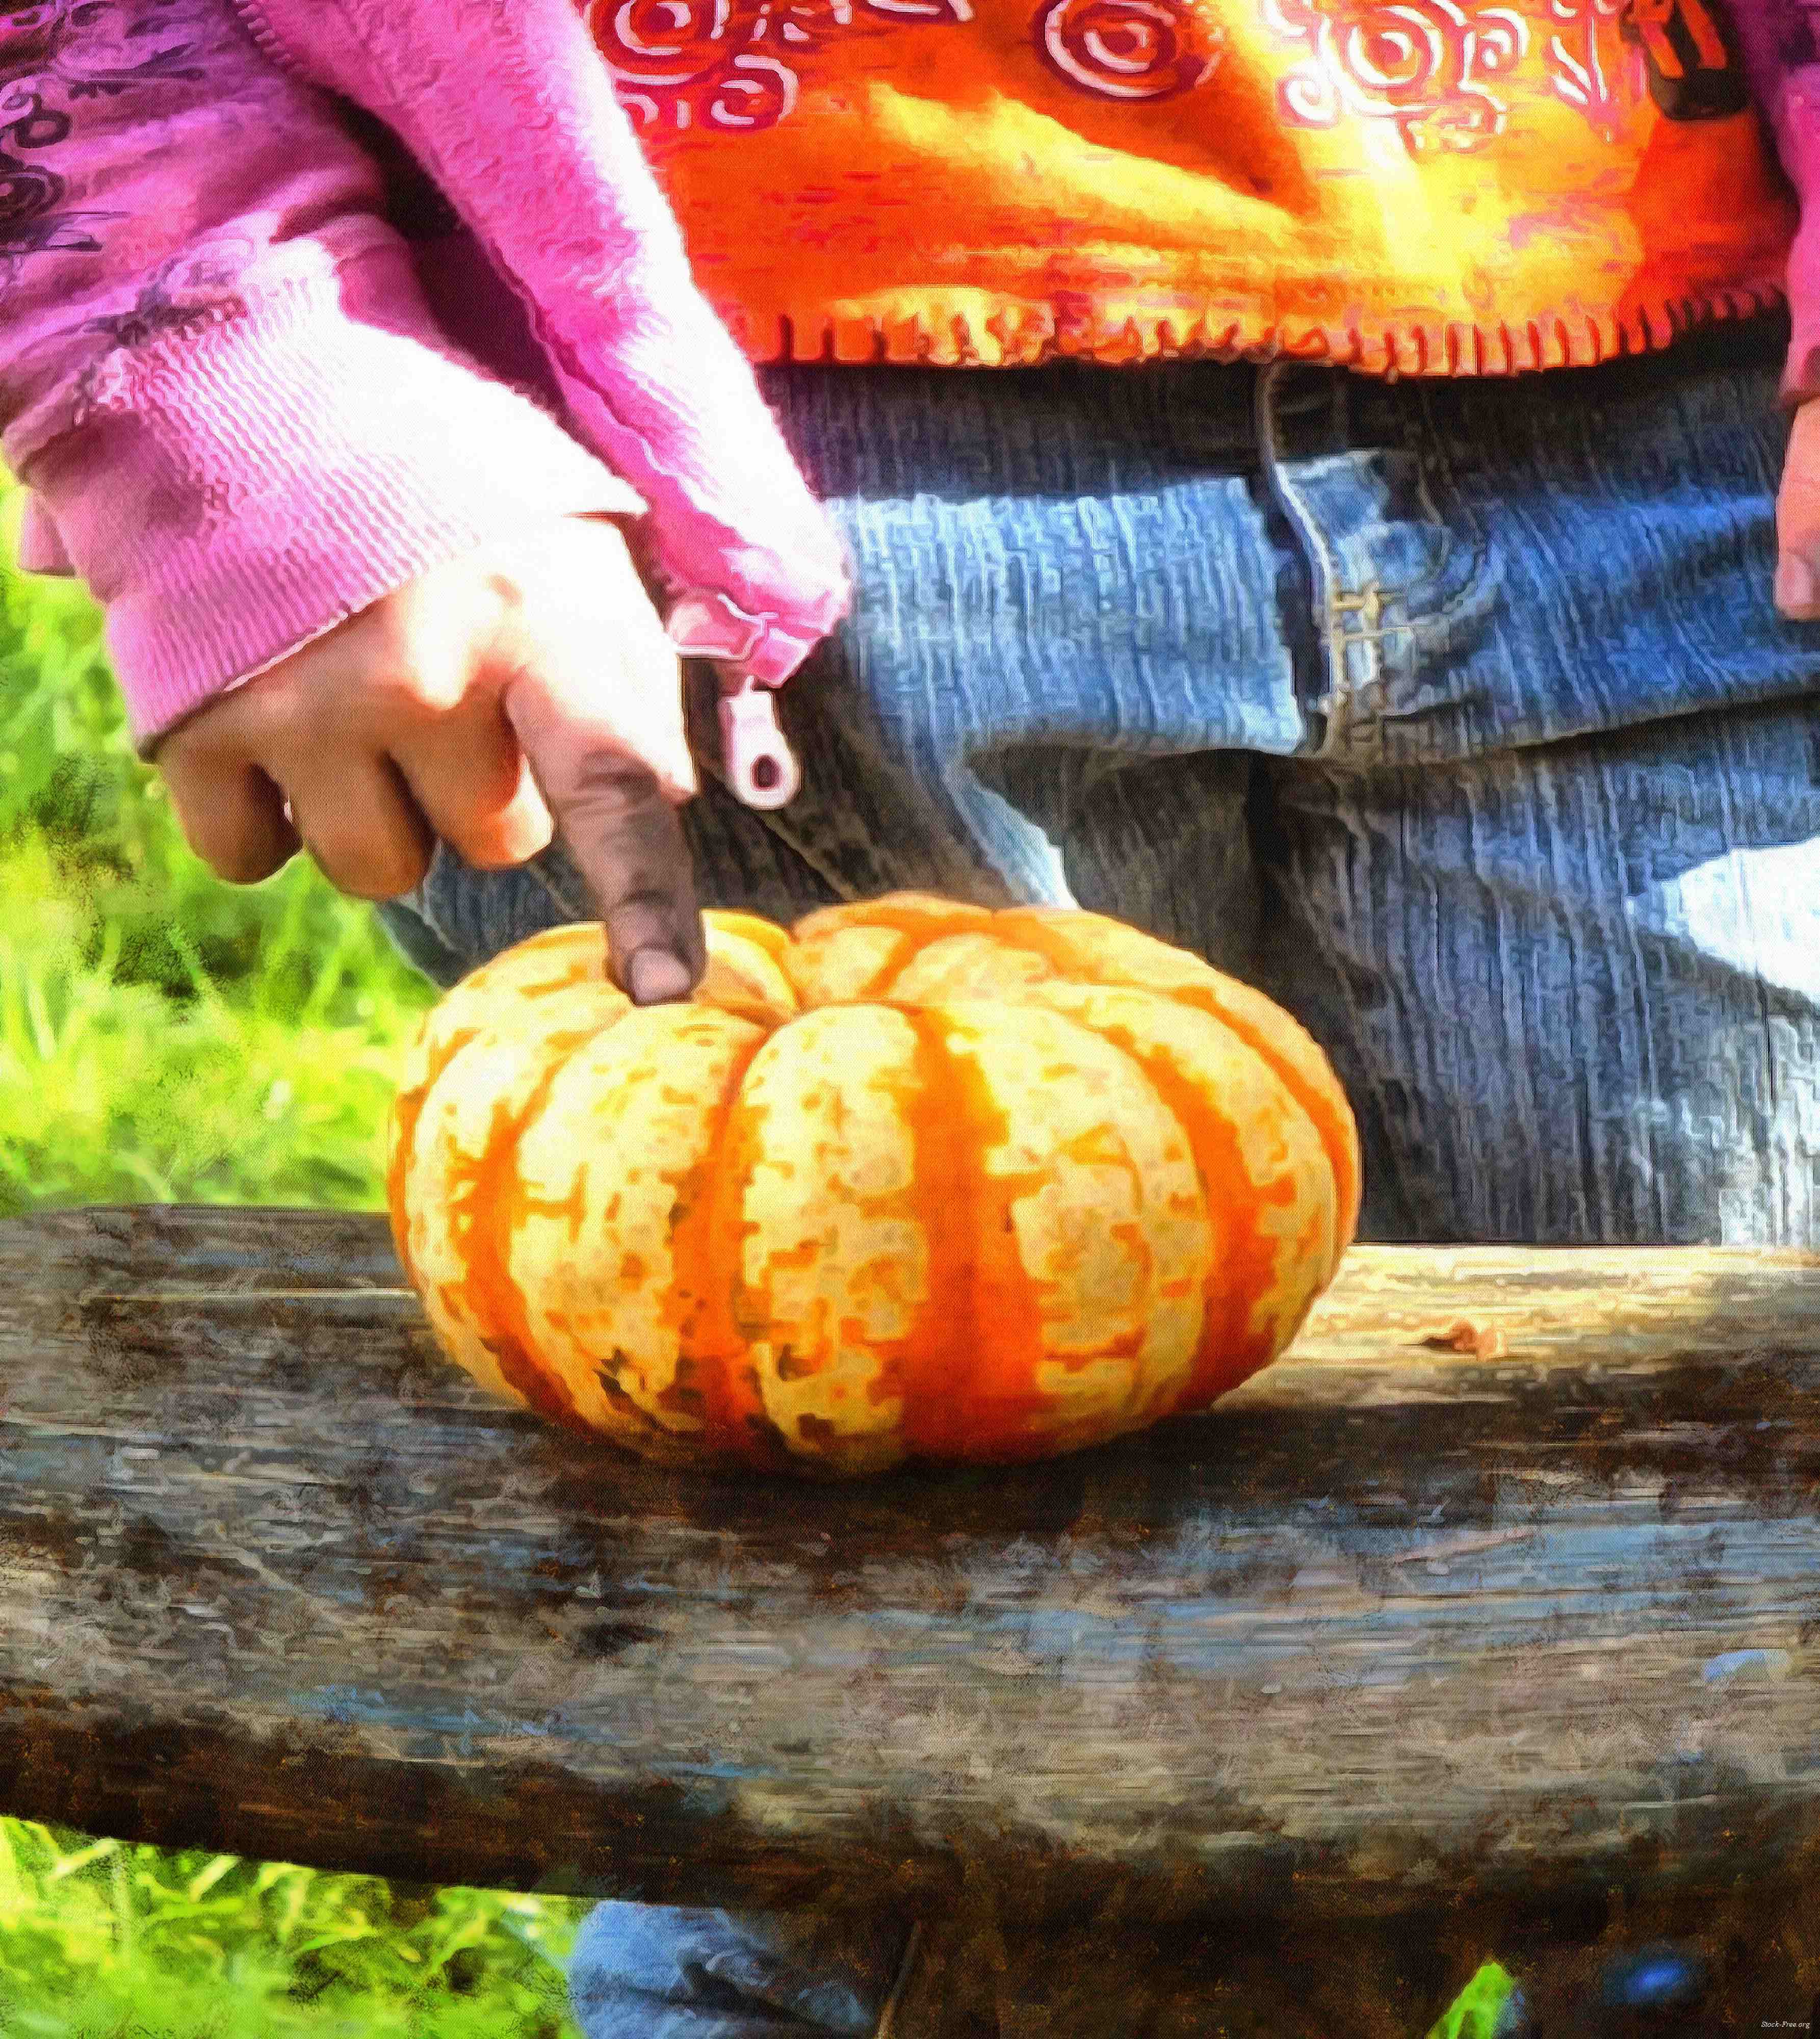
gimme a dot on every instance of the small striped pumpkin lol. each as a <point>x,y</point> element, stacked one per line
<point>913,1179</point>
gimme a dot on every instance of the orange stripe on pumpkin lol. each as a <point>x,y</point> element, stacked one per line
<point>481,1210</point>
<point>407,1110</point>
<point>714,1357</point>
<point>1328,1109</point>
<point>1245,1262</point>
<point>983,1302</point>
<point>917,918</point>
<point>1325,1104</point>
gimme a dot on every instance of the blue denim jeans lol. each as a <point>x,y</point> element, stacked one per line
<point>681,1972</point>
<point>1456,716</point>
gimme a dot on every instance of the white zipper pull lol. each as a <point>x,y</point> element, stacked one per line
<point>760,765</point>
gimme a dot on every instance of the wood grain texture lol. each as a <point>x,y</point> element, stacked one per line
<point>1394,1622</point>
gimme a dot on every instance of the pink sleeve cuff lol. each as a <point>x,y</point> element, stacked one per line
<point>231,493</point>
<point>1791,102</point>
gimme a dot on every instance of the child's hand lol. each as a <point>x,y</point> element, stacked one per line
<point>1798,519</point>
<point>517,691</point>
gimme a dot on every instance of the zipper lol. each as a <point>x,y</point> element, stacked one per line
<point>761,767</point>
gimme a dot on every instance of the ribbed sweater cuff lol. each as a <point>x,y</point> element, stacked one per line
<point>232,492</point>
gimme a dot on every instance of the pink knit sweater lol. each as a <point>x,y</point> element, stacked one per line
<point>259,367</point>
<point>1781,40</point>
<point>247,404</point>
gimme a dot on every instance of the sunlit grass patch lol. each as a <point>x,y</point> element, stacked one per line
<point>100,1940</point>
<point>166,1037</point>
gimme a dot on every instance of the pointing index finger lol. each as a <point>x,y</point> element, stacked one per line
<point>628,842</point>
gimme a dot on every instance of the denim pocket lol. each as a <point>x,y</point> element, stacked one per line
<point>1515,560</point>
<point>1628,513</point>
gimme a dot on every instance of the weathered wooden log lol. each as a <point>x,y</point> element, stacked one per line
<point>1537,1608</point>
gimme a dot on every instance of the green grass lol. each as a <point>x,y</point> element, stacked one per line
<point>116,1942</point>
<point>165,1037</point>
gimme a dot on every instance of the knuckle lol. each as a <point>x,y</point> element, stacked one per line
<point>401,882</point>
<point>409,693</point>
<point>610,787</point>
<point>374,886</point>
<point>247,869</point>
<point>209,845</point>
<point>644,912</point>
<point>369,871</point>
<point>386,632</point>
<point>225,866</point>
<point>498,850</point>
<point>235,858</point>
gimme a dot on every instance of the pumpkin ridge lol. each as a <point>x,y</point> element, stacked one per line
<point>917,918</point>
<point>1154,1357</point>
<point>1242,1267</point>
<point>836,1253</point>
<point>1000,1414</point>
<point>1330,1115</point>
<point>1326,1107</point>
<point>408,1107</point>
<point>916,933</point>
<point>554,960</point>
<point>606,1164</point>
<point>876,989</point>
<point>493,1182</point>
<point>949,1162</point>
<point>411,1101</point>
<point>709,1234</point>
<point>753,927</point>
<point>905,912</point>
